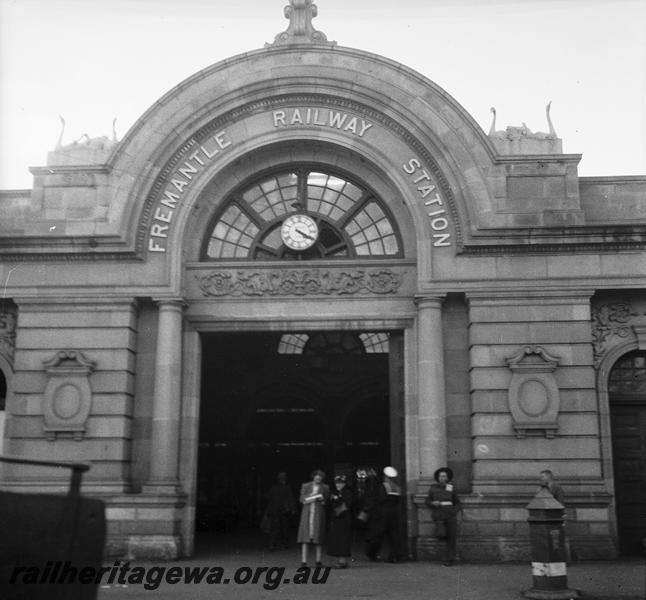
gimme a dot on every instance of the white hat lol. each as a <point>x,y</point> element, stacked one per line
<point>390,472</point>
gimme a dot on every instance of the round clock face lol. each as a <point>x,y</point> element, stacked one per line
<point>299,232</point>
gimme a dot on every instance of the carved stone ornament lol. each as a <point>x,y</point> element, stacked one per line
<point>610,321</point>
<point>534,398</point>
<point>68,397</point>
<point>306,282</point>
<point>7,334</point>
<point>300,31</point>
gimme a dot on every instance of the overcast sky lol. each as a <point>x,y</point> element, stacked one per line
<point>93,60</point>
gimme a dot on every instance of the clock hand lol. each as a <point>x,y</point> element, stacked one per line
<point>309,237</point>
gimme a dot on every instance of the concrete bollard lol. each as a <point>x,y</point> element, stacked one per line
<point>547,538</point>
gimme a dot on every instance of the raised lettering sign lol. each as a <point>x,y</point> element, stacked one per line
<point>321,117</point>
<point>180,180</point>
<point>427,192</point>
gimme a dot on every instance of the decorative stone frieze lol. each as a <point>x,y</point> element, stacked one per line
<point>68,396</point>
<point>610,322</point>
<point>7,334</point>
<point>297,282</point>
<point>534,398</point>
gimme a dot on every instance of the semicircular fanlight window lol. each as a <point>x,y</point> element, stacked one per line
<point>352,221</point>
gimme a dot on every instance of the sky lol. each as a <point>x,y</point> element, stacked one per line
<point>95,60</point>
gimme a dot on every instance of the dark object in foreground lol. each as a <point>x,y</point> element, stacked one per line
<point>50,544</point>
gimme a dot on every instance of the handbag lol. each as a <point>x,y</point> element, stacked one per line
<point>339,510</point>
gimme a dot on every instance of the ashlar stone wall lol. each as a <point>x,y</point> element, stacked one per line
<point>72,392</point>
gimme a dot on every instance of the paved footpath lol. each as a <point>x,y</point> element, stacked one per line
<point>612,580</point>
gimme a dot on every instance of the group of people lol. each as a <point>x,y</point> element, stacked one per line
<point>327,517</point>
<point>327,514</point>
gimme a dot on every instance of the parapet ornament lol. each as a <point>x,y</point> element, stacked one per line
<point>300,31</point>
<point>534,399</point>
<point>68,397</point>
<point>522,140</point>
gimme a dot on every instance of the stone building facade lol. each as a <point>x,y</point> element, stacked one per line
<point>148,285</point>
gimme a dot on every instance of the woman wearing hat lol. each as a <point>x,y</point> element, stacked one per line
<point>311,528</point>
<point>385,518</point>
<point>445,505</point>
<point>340,537</point>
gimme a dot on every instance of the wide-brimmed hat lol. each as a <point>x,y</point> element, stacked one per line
<point>390,472</point>
<point>446,470</point>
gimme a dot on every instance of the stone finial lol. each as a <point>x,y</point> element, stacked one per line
<point>300,31</point>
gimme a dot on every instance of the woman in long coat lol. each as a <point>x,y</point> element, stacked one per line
<point>311,528</point>
<point>340,537</point>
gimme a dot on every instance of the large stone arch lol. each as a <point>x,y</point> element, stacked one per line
<point>399,101</point>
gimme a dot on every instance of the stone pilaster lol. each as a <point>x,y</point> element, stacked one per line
<point>430,385</point>
<point>164,457</point>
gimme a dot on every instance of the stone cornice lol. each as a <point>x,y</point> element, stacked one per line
<point>45,256</point>
<point>81,168</point>
<point>15,194</point>
<point>538,247</point>
<point>532,158</point>
<point>606,179</point>
<point>49,248</point>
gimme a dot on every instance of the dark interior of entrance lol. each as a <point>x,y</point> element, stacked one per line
<point>288,402</point>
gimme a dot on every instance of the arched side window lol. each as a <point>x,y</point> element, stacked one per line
<point>628,377</point>
<point>351,220</point>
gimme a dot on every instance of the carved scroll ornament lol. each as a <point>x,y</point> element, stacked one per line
<point>307,282</point>
<point>610,321</point>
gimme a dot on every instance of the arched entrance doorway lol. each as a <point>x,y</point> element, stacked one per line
<point>627,391</point>
<point>288,402</point>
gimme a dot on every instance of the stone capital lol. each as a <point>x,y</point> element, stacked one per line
<point>171,303</point>
<point>425,301</point>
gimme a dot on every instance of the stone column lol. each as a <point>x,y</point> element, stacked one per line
<point>430,386</point>
<point>164,443</point>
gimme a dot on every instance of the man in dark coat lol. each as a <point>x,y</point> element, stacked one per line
<point>384,518</point>
<point>280,505</point>
<point>445,505</point>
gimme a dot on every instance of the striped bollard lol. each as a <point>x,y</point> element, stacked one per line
<point>547,538</point>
